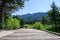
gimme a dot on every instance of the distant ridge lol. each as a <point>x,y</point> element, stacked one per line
<point>33,16</point>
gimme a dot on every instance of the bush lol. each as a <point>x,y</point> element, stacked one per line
<point>38,25</point>
<point>11,24</point>
<point>47,26</point>
<point>16,24</point>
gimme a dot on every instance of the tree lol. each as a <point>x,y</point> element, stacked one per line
<point>7,15</point>
<point>9,6</point>
<point>58,20</point>
<point>44,20</point>
<point>22,23</point>
<point>53,13</point>
<point>16,17</point>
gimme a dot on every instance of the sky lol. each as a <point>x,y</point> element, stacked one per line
<point>34,6</point>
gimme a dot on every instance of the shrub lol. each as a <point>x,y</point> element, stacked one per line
<point>16,24</point>
<point>11,24</point>
<point>38,25</point>
<point>48,26</point>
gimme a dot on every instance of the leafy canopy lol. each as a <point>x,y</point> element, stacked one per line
<point>12,5</point>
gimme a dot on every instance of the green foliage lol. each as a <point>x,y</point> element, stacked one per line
<point>16,17</point>
<point>53,13</point>
<point>48,26</point>
<point>6,15</point>
<point>29,26</point>
<point>16,24</point>
<point>11,24</point>
<point>22,23</point>
<point>54,29</point>
<point>44,20</point>
<point>38,25</point>
<point>11,5</point>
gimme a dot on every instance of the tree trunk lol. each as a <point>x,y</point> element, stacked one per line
<point>2,15</point>
<point>0,20</point>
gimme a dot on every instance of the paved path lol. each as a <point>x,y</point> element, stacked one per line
<point>30,34</point>
<point>6,32</point>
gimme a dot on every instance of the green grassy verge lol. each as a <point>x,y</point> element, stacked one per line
<point>29,26</point>
<point>40,26</point>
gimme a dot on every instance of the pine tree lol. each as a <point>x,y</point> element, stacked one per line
<point>53,13</point>
<point>44,20</point>
<point>9,6</point>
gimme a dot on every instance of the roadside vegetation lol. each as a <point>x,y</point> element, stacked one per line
<point>6,10</point>
<point>11,23</point>
<point>7,21</point>
<point>50,22</point>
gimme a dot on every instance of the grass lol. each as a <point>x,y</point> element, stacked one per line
<point>29,26</point>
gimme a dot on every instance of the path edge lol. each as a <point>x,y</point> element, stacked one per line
<point>53,32</point>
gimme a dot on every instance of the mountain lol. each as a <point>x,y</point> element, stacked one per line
<point>33,16</point>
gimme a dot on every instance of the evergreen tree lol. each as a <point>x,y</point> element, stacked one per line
<point>44,20</point>
<point>6,15</point>
<point>53,13</point>
<point>9,6</point>
<point>16,17</point>
<point>22,23</point>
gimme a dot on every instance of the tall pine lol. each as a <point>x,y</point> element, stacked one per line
<point>53,13</point>
<point>9,6</point>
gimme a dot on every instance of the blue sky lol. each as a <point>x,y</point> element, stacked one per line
<point>34,6</point>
